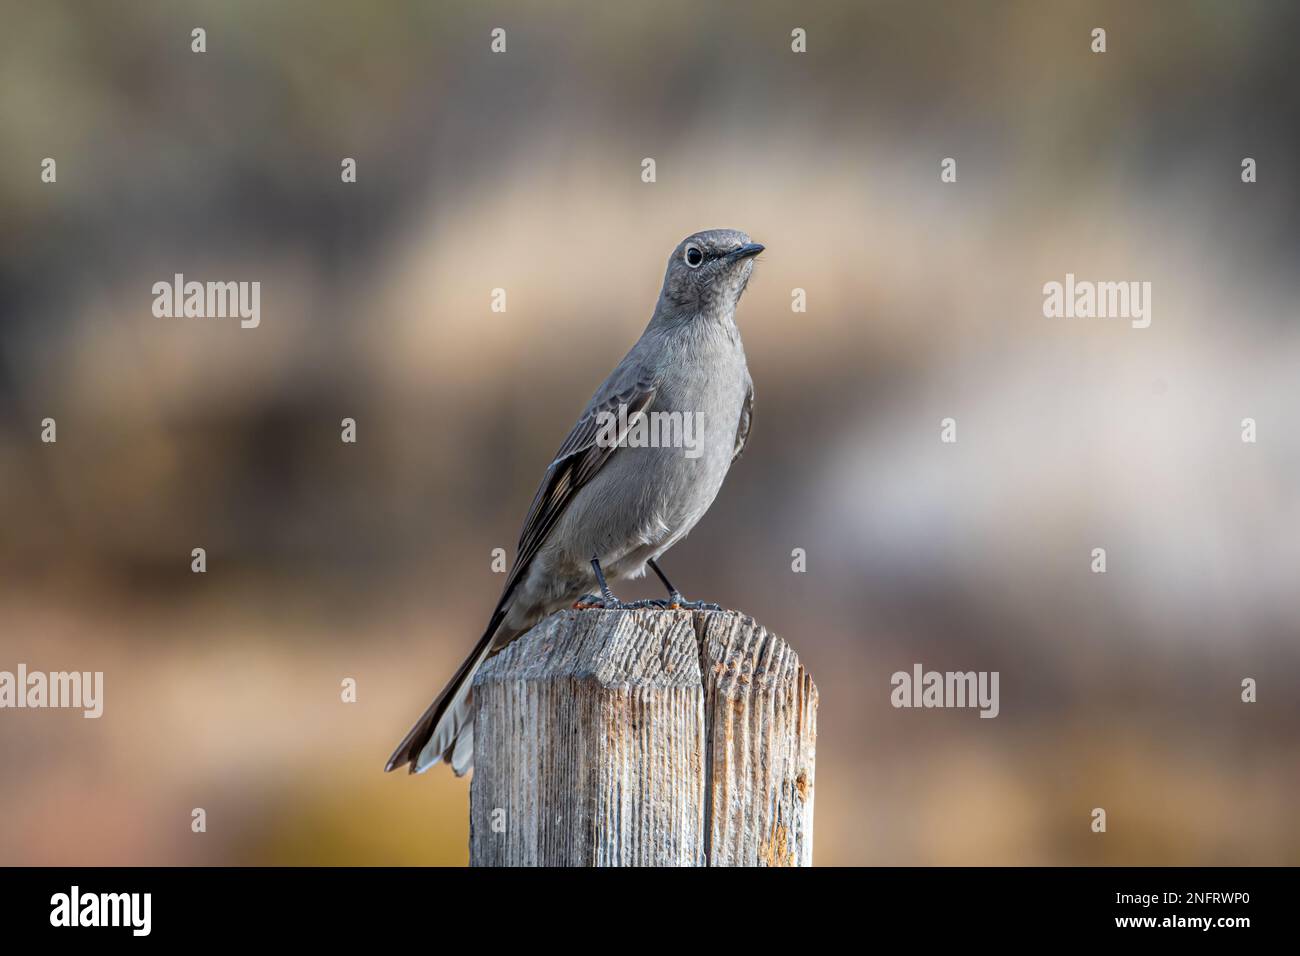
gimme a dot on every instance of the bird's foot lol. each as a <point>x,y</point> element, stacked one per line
<point>603,603</point>
<point>698,605</point>
<point>590,602</point>
<point>606,601</point>
<point>676,602</point>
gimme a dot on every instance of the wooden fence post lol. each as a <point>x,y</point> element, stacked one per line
<point>644,738</point>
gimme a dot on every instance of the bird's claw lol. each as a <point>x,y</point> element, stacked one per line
<point>596,602</point>
<point>685,605</point>
<point>677,603</point>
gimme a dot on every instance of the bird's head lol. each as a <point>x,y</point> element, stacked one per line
<point>707,273</point>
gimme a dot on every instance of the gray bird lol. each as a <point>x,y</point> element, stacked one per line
<point>609,505</point>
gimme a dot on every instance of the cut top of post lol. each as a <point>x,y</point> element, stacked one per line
<point>644,737</point>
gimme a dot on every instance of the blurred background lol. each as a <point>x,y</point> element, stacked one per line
<point>522,171</point>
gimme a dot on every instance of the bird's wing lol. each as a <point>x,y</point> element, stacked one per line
<point>578,461</point>
<point>746,417</point>
<point>438,734</point>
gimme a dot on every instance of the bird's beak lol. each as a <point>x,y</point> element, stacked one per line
<point>747,251</point>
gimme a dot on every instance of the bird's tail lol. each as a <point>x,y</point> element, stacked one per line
<point>446,730</point>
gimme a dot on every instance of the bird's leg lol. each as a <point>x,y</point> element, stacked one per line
<point>606,599</point>
<point>674,595</point>
<point>605,592</point>
<point>675,600</point>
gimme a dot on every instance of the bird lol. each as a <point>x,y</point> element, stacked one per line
<point>608,506</point>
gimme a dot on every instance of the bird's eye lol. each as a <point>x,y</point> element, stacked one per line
<point>693,256</point>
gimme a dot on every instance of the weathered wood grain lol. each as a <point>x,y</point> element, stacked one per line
<point>644,738</point>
